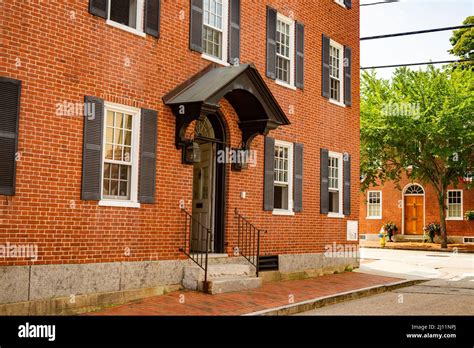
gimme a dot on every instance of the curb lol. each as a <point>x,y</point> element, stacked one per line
<point>460,251</point>
<point>334,299</point>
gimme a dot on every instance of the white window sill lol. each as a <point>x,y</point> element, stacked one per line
<point>125,28</point>
<point>454,219</point>
<point>215,60</point>
<point>283,212</point>
<point>342,5</point>
<point>374,218</point>
<point>336,215</point>
<point>284,84</point>
<point>338,103</point>
<point>121,204</point>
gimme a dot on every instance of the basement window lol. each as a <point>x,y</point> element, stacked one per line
<point>127,15</point>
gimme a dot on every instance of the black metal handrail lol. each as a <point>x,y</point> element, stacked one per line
<point>193,242</point>
<point>248,240</point>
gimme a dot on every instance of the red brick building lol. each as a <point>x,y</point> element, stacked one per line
<point>113,117</point>
<point>413,205</point>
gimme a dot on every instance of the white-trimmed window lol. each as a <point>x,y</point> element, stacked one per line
<point>335,183</point>
<point>454,204</point>
<point>340,2</point>
<point>215,29</point>
<point>283,177</point>
<point>336,71</point>
<point>374,205</point>
<point>120,160</point>
<point>126,15</point>
<point>285,46</point>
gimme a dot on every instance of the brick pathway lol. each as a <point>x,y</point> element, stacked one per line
<point>270,295</point>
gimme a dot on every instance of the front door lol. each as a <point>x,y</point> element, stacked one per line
<point>203,198</point>
<point>414,214</point>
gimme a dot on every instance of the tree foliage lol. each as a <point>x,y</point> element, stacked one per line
<point>463,43</point>
<point>420,123</point>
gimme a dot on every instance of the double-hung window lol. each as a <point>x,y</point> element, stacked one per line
<point>454,203</point>
<point>335,183</point>
<point>283,177</point>
<point>285,44</point>
<point>336,71</point>
<point>215,29</point>
<point>374,205</point>
<point>120,161</point>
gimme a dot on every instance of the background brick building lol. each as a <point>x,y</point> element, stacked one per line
<point>63,53</point>
<point>396,204</point>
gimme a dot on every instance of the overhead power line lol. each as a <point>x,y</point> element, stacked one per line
<point>416,32</point>
<point>414,64</point>
<point>379,3</point>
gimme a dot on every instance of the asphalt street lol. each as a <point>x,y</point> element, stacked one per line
<point>448,289</point>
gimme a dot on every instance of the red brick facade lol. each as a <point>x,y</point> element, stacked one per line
<point>61,52</point>
<point>392,203</point>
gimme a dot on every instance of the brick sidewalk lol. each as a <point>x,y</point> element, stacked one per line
<point>270,295</point>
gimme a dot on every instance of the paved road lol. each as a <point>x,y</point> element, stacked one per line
<point>448,291</point>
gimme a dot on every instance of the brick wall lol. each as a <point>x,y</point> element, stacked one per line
<point>61,53</point>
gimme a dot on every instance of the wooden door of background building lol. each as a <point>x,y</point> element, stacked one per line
<point>414,214</point>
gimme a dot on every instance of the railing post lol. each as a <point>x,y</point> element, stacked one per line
<point>258,252</point>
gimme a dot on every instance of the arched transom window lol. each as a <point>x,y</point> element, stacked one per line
<point>414,190</point>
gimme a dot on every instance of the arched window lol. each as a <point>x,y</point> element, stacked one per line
<point>414,189</point>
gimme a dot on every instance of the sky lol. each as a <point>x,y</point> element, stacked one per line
<point>409,15</point>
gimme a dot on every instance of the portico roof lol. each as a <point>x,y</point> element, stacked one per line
<point>242,86</point>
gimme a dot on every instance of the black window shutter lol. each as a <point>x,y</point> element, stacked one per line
<point>99,8</point>
<point>152,18</point>
<point>92,149</point>
<point>298,182</point>
<point>347,184</point>
<point>10,92</point>
<point>149,125</point>
<point>234,34</point>
<point>195,25</point>
<point>299,55</point>
<point>268,200</point>
<point>347,76</point>
<point>348,3</point>
<point>324,186</point>
<point>325,64</point>
<point>271,42</point>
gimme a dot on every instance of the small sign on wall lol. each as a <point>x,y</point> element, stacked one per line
<point>352,230</point>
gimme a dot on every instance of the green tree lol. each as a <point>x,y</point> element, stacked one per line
<point>420,123</point>
<point>463,43</point>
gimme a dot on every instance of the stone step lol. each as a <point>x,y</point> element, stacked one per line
<point>225,285</point>
<point>221,278</point>
<point>219,271</point>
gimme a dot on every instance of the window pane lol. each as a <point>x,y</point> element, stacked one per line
<point>124,12</point>
<point>334,202</point>
<point>114,188</point>
<point>110,118</point>
<point>281,197</point>
<point>128,138</point>
<point>108,152</point>
<point>106,187</point>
